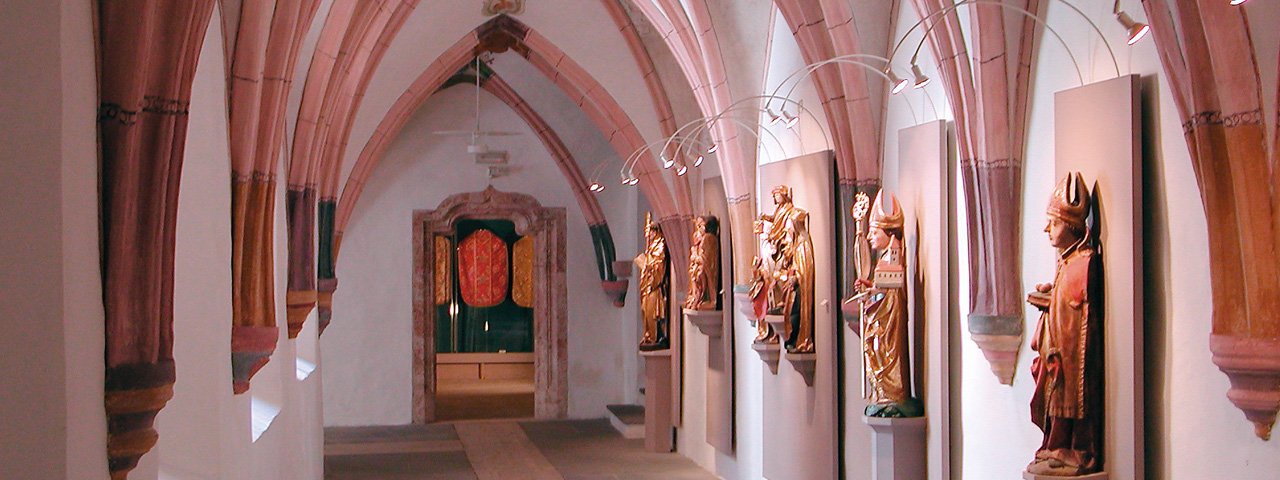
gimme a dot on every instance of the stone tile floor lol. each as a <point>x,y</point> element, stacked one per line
<point>577,449</point>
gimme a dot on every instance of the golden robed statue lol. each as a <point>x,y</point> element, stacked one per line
<point>1068,368</point>
<point>704,265</point>
<point>654,287</point>
<point>792,269</point>
<point>885,333</point>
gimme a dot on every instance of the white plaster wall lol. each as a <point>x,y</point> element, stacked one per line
<point>368,342</point>
<point>205,431</point>
<point>51,420</point>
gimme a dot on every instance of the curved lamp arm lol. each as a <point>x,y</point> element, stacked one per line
<point>952,8</point>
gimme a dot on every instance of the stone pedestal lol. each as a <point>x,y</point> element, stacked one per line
<point>709,322</point>
<point>658,426</point>
<point>1091,476</point>
<point>898,448</point>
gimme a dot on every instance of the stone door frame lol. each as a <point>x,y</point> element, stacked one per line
<point>550,312</point>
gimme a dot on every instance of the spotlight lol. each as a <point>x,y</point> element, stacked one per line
<point>713,148</point>
<point>791,120</point>
<point>921,78</point>
<point>682,169</point>
<point>773,117</point>
<point>899,83</point>
<point>698,161</point>
<point>667,162</point>
<point>1136,30</point>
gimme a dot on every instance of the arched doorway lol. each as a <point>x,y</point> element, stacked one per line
<point>550,316</point>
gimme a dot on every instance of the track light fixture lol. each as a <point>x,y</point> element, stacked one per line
<point>1135,30</point>
<point>773,117</point>
<point>789,119</point>
<point>921,78</point>
<point>898,83</point>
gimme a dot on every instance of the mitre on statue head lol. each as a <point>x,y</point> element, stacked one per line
<point>1070,201</point>
<point>886,220</point>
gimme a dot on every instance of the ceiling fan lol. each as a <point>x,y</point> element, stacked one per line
<point>477,146</point>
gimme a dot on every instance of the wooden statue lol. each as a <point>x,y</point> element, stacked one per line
<point>1067,403</point>
<point>759,293</point>
<point>885,331</point>
<point>654,287</point>
<point>704,265</point>
<point>792,267</point>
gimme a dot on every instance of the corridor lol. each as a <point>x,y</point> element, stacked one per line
<point>534,450</point>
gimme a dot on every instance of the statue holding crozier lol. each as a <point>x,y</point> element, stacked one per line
<point>885,332</point>
<point>1068,368</point>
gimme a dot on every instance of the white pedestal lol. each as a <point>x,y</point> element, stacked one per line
<point>709,322</point>
<point>898,448</point>
<point>658,422</point>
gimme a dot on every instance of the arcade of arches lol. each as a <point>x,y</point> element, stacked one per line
<point>744,239</point>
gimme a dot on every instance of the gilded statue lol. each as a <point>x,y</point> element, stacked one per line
<point>1068,369</point>
<point>654,288</point>
<point>884,329</point>
<point>704,265</point>
<point>759,294</point>
<point>792,269</point>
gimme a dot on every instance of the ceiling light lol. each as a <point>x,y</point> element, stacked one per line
<point>667,162</point>
<point>634,181</point>
<point>698,161</point>
<point>791,120</point>
<point>921,78</point>
<point>682,169</point>
<point>899,83</point>
<point>773,117</point>
<point>1136,30</point>
<point>1238,2</point>
<point>713,148</point>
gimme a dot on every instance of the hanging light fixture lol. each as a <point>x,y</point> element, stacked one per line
<point>713,148</point>
<point>773,117</point>
<point>697,162</point>
<point>921,78</point>
<point>1238,2</point>
<point>899,83</point>
<point>1136,30</point>
<point>790,120</point>
<point>682,169</point>
<point>596,187</point>
<point>667,162</point>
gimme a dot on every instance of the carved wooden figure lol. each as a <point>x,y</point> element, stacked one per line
<point>1067,402</point>
<point>704,265</point>
<point>654,288</point>
<point>792,269</point>
<point>885,330</point>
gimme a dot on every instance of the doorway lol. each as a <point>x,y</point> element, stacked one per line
<point>489,347</point>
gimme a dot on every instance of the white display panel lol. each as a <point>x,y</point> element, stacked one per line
<point>1096,133</point>
<point>800,423</point>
